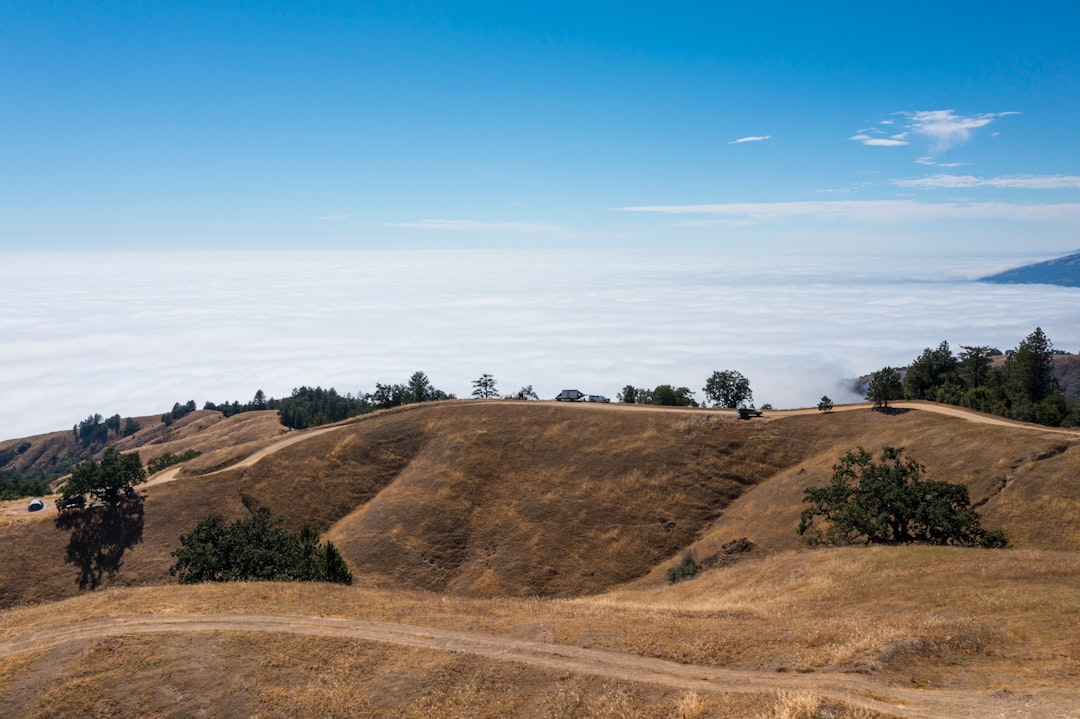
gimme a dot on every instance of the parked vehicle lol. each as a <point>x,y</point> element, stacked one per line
<point>598,398</point>
<point>36,505</point>
<point>76,502</point>
<point>569,395</point>
<point>748,412</point>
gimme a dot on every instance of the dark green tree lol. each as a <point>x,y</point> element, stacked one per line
<point>386,396</point>
<point>974,366</point>
<point>630,395</point>
<point>484,387</point>
<point>728,388</point>
<point>825,405</point>
<point>668,396</point>
<point>1028,382</point>
<point>130,427</point>
<point>419,388</point>
<point>92,430</point>
<point>335,570</point>
<point>885,386</point>
<point>111,480</point>
<point>888,502</point>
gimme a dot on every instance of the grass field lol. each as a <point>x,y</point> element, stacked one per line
<point>533,532</point>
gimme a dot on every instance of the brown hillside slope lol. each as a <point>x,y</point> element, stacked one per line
<point>222,440</point>
<point>489,499</point>
<point>1021,478</point>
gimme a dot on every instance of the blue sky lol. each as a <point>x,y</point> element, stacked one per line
<point>933,127</point>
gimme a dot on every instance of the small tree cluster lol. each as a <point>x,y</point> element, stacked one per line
<point>888,502</point>
<point>665,395</point>
<point>725,388</point>
<point>96,430</point>
<point>179,411</point>
<point>885,386</point>
<point>1023,387</point>
<point>256,548</point>
<point>13,486</point>
<point>169,459</point>
<point>525,393</point>
<point>312,406</point>
<point>258,403</point>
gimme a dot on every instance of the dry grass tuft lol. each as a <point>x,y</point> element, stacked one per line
<point>691,705</point>
<point>805,705</point>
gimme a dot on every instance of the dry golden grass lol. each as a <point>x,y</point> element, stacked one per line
<point>804,705</point>
<point>1008,619</point>
<point>459,516</point>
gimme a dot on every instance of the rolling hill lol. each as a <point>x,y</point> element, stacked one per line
<point>555,524</point>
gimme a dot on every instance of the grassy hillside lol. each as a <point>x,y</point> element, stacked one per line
<point>514,499</point>
<point>205,431</point>
<point>556,523</point>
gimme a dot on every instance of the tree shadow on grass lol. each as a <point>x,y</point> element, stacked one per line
<point>99,537</point>
<point>892,410</point>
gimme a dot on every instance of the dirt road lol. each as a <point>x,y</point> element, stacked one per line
<point>854,689</point>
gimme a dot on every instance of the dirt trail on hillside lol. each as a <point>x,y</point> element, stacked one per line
<point>854,689</point>
<point>170,474</point>
<point>772,414</point>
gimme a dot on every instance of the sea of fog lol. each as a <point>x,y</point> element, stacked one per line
<point>134,332</point>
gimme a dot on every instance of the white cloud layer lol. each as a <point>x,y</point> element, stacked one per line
<point>132,333</point>
<point>751,138</point>
<point>892,211</point>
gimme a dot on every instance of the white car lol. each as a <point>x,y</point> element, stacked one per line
<point>36,505</point>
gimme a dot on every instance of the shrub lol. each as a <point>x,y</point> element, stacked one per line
<point>888,502</point>
<point>683,570</point>
<point>256,548</point>
<point>169,459</point>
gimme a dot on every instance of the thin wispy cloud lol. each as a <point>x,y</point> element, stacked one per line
<point>873,137</point>
<point>947,129</point>
<point>516,228</point>
<point>751,138</point>
<point>931,162</point>
<point>892,211</point>
<point>943,128</point>
<point>1024,182</point>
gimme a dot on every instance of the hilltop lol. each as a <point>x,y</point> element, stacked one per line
<point>460,515</point>
<point>1064,271</point>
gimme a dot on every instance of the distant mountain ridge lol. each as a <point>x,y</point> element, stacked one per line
<point>1063,271</point>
